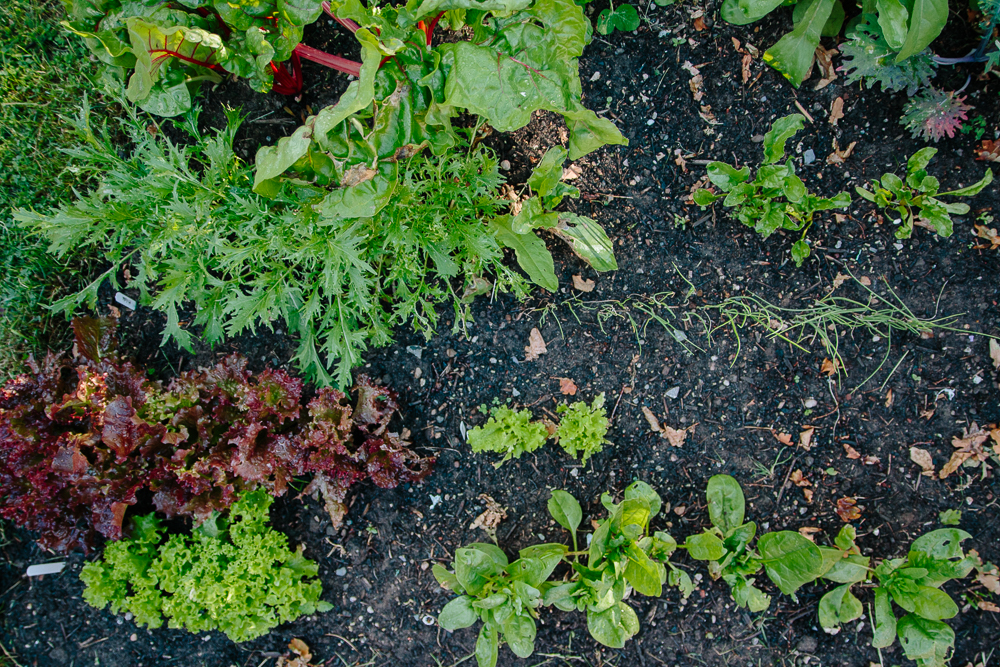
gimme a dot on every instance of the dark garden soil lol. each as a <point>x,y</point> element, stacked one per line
<point>621,339</point>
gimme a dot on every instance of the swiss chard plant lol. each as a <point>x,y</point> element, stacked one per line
<point>776,198</point>
<point>581,432</point>
<point>507,596</point>
<point>81,438</point>
<point>916,198</point>
<point>172,47</point>
<point>233,573</point>
<point>906,27</point>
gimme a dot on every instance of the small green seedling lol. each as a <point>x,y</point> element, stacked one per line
<point>506,596</point>
<point>776,198</point>
<point>624,18</point>
<point>916,198</point>
<point>789,559</point>
<point>582,428</point>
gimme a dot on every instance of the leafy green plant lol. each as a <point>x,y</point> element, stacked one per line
<point>185,219</point>
<point>173,47</point>
<point>236,575</point>
<point>868,58</point>
<point>506,596</point>
<point>624,18</point>
<point>583,428</point>
<point>789,559</point>
<point>581,431</point>
<point>508,432</point>
<point>934,113</point>
<point>907,28</point>
<point>776,198</point>
<point>914,584</point>
<point>916,198</point>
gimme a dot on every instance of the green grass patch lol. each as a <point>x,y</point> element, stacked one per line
<point>43,75</point>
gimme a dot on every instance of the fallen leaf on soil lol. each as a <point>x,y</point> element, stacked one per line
<point>969,446</point>
<point>848,509</point>
<point>651,419</point>
<point>805,437</point>
<point>995,353</point>
<point>836,110</point>
<point>871,460</point>
<point>535,346</point>
<point>567,387</point>
<point>922,458</point>
<point>840,156</point>
<point>491,517</point>
<point>783,438</point>
<point>584,285</point>
<point>696,82</point>
<point>989,150</point>
<point>988,235</point>
<point>888,399</point>
<point>302,653</point>
<point>839,280</point>
<point>737,45</point>
<point>808,532</point>
<point>829,367</point>
<point>851,452</point>
<point>865,280</point>
<point>747,59</point>
<point>674,437</point>
<point>824,58</point>
<point>990,581</point>
<point>800,481</point>
<point>699,24</point>
<point>707,115</point>
<point>571,173</point>
<point>986,605</point>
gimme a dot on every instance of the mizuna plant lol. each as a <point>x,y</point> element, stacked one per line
<point>776,198</point>
<point>506,596</point>
<point>80,439</point>
<point>234,574</point>
<point>916,198</point>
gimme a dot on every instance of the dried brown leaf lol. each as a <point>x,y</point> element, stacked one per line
<point>871,460</point>
<point>865,280</point>
<point>990,581</point>
<point>989,150</point>
<point>491,517</point>
<point>829,367</point>
<point>923,459</point>
<point>987,234</point>
<point>651,419</point>
<point>969,447</point>
<point>808,493</point>
<point>839,156</point>
<point>808,532</point>
<point>567,387</point>
<point>986,605</point>
<point>995,353</point>
<point>836,110</point>
<point>582,284</point>
<point>783,438</point>
<point>535,346</point>
<point>806,436</point>
<point>839,280</point>
<point>851,452</point>
<point>699,24</point>
<point>848,509</point>
<point>798,479</point>
<point>747,59</point>
<point>674,437</point>
<point>888,399</point>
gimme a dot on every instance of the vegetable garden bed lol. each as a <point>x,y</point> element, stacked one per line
<point>835,393</point>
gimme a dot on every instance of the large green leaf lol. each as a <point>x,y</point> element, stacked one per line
<point>793,54</point>
<point>157,48</point>
<point>704,546</point>
<point>790,559</point>
<point>487,646</point>
<point>613,626</point>
<point>643,574</point>
<point>530,252</point>
<point>927,19</point>
<point>519,632</point>
<point>588,240</point>
<point>640,489</point>
<point>839,606</point>
<point>458,614</point>
<point>893,18</point>
<point>741,12</point>
<point>781,131</point>
<point>565,509</point>
<point>726,504</point>
<point>973,189</point>
<point>925,640</point>
<point>884,631</point>
<point>546,174</point>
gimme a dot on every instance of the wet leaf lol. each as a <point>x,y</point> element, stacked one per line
<point>848,509</point>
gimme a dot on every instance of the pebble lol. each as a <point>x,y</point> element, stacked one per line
<point>415,350</point>
<point>674,393</point>
<point>505,165</point>
<point>341,571</point>
<point>809,156</point>
<point>811,403</point>
<point>133,637</point>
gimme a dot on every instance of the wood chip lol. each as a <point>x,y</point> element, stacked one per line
<point>805,113</point>
<point>535,346</point>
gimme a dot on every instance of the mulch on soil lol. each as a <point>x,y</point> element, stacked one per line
<point>731,392</point>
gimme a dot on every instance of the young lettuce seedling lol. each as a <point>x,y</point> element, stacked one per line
<point>916,198</point>
<point>776,198</point>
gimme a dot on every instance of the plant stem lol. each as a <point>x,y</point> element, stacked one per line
<point>347,23</point>
<point>328,60</point>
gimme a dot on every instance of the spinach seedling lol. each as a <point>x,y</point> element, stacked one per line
<point>776,198</point>
<point>916,198</point>
<point>789,559</point>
